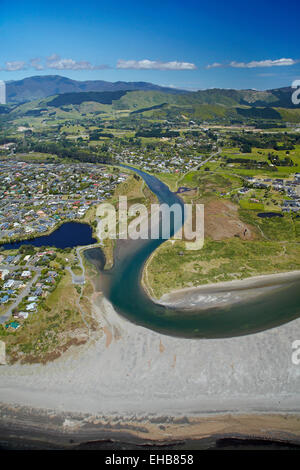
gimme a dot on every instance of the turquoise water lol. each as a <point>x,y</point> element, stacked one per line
<point>123,288</point>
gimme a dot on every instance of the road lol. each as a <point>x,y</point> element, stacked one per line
<point>80,279</point>
<point>200,164</point>
<point>21,295</point>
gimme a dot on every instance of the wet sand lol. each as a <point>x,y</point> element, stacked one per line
<point>227,292</point>
<point>26,428</point>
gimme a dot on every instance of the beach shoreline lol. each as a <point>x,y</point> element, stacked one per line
<point>142,379</point>
<point>247,288</point>
<point>41,428</point>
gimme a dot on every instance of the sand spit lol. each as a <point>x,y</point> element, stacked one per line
<point>226,292</point>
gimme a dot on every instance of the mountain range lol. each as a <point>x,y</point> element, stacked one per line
<point>39,87</point>
<point>48,96</point>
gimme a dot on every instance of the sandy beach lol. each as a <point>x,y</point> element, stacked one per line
<point>134,375</point>
<point>227,292</point>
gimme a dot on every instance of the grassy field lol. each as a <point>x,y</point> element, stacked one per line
<point>279,229</point>
<point>172,267</point>
<point>72,129</point>
<point>207,181</point>
<point>247,204</point>
<point>262,155</point>
<point>170,179</point>
<point>273,248</point>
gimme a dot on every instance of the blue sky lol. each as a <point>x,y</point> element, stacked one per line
<point>187,44</point>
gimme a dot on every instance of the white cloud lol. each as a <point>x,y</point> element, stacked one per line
<point>263,63</point>
<point>52,62</point>
<point>256,63</point>
<point>146,64</point>
<point>14,66</point>
<point>214,65</point>
<point>36,64</point>
<point>56,62</point>
<point>53,57</point>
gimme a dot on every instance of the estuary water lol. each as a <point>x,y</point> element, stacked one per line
<point>122,286</point>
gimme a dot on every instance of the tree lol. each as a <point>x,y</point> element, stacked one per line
<point>246,148</point>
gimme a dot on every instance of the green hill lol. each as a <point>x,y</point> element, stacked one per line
<point>105,97</point>
<point>207,105</point>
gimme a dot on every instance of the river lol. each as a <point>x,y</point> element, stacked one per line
<point>122,286</point>
<point>277,304</point>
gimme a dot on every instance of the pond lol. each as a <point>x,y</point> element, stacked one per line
<point>68,235</point>
<point>269,214</point>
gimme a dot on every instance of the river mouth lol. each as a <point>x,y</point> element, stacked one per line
<point>254,310</point>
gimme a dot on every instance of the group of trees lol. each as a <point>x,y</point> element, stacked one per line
<point>248,163</point>
<point>246,147</point>
<point>64,149</point>
<point>96,135</point>
<point>156,133</point>
<point>275,160</point>
<point>280,141</point>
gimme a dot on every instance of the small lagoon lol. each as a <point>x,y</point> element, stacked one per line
<point>68,235</point>
<point>268,215</point>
